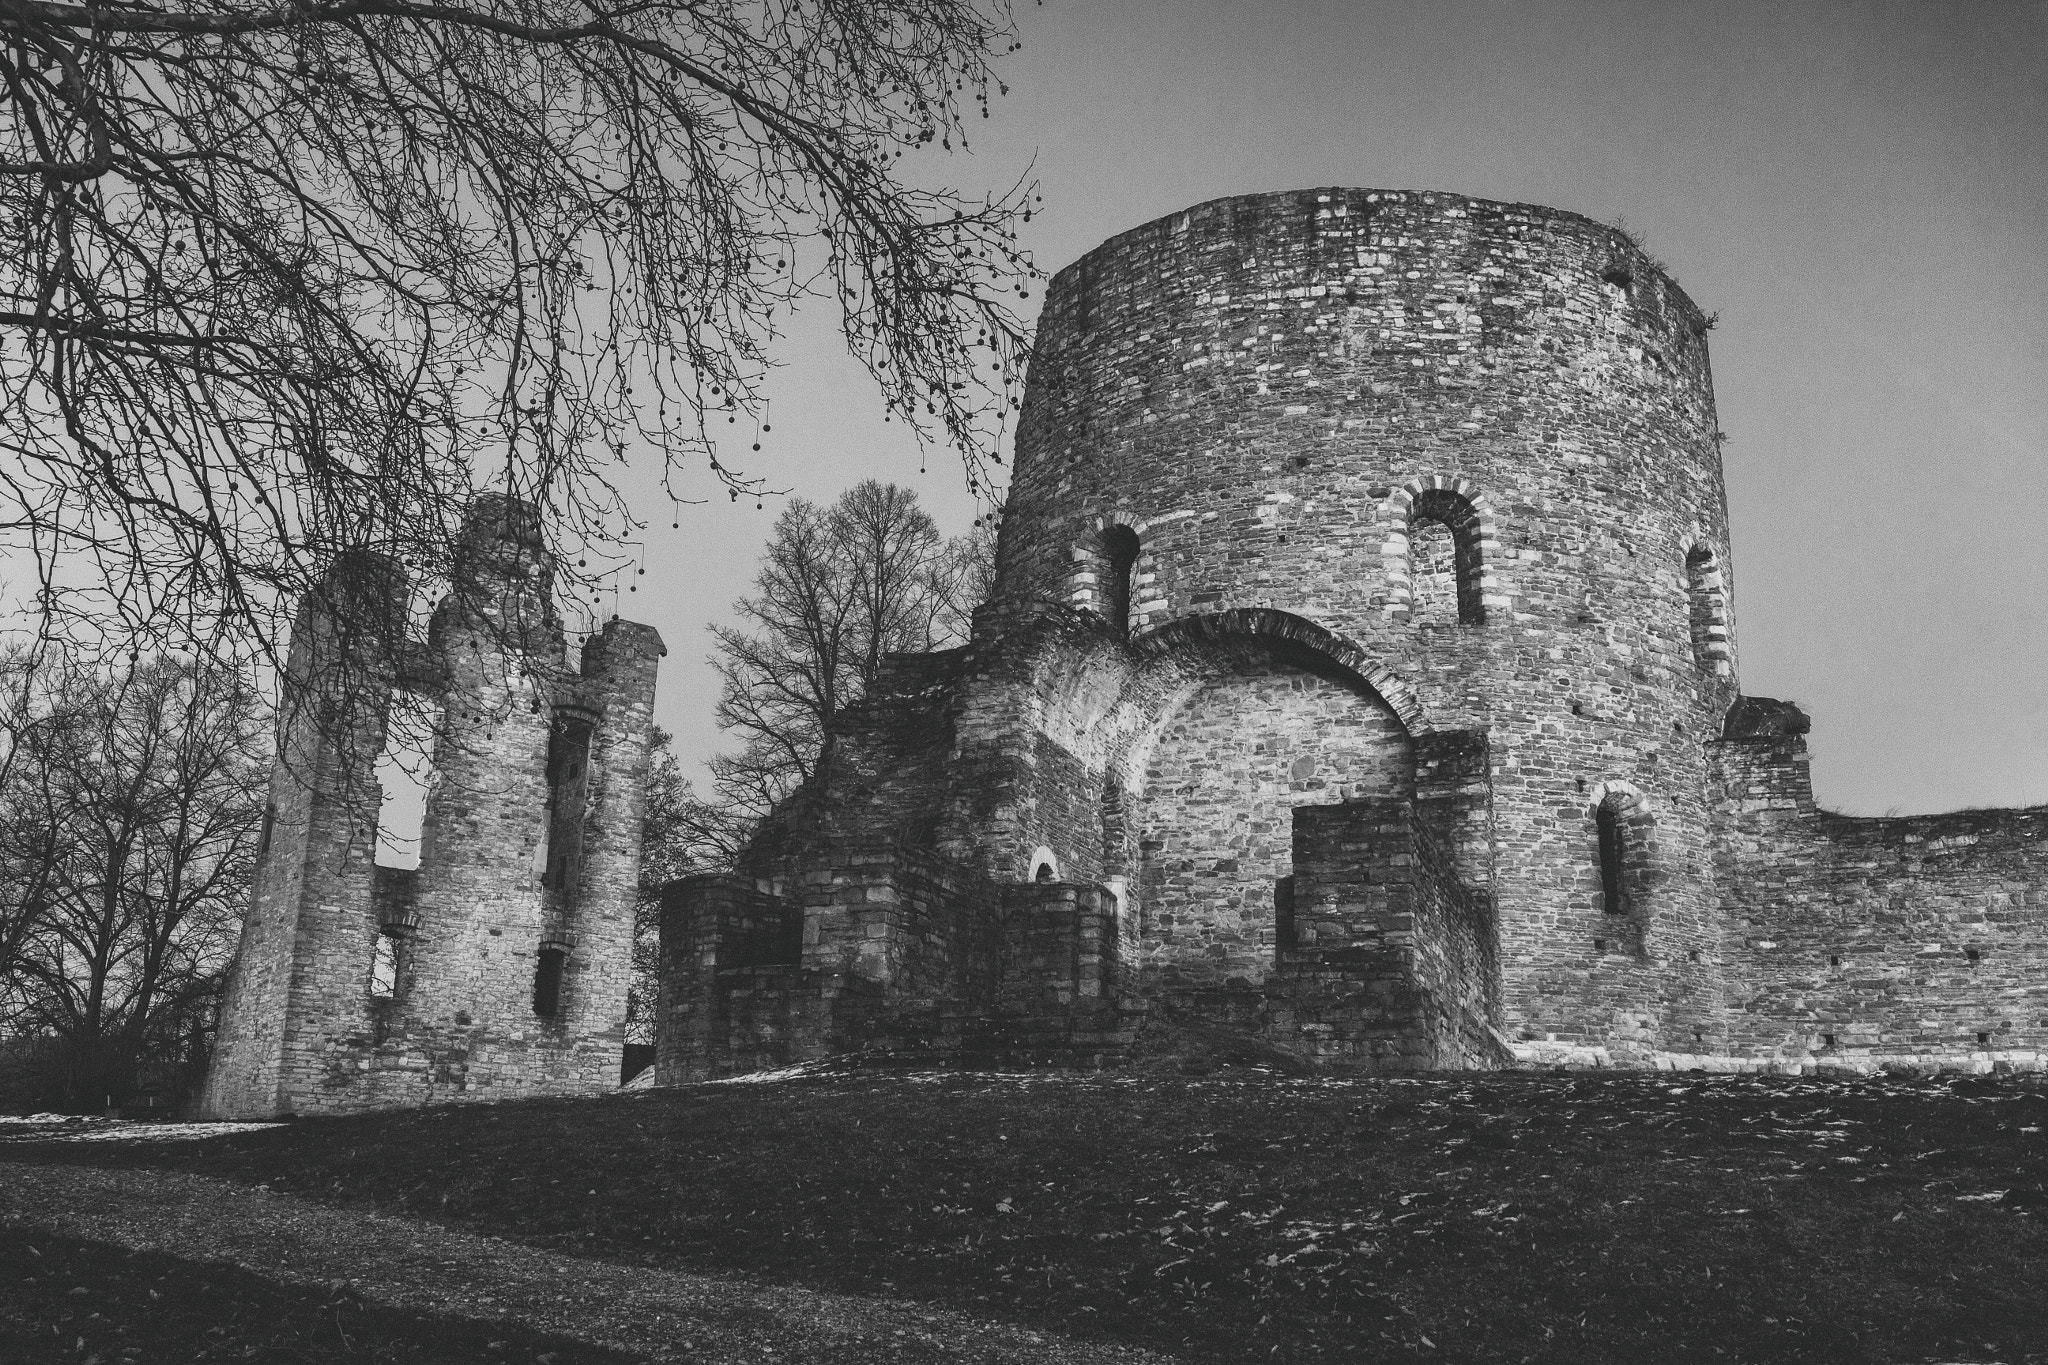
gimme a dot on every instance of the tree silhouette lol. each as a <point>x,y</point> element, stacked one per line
<point>282,281</point>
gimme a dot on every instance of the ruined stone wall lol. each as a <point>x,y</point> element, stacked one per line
<point>1392,964</point>
<point>314,911</point>
<point>1214,829</point>
<point>1859,941</point>
<point>302,1031</point>
<point>1273,391</point>
<point>886,947</point>
<point>900,916</point>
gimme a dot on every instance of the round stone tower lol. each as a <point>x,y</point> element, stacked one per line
<point>1473,444</point>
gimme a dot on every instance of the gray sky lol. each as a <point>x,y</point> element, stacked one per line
<point>1861,192</point>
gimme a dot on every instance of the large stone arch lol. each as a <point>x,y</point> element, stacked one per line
<point>1284,628</point>
<point>1227,722</point>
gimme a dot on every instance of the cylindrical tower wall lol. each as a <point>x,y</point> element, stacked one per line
<point>1292,398</point>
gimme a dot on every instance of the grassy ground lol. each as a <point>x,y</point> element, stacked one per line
<point>63,1300</point>
<point>1495,1218</point>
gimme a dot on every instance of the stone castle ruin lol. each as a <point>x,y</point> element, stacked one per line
<point>1361,674</point>
<point>498,967</point>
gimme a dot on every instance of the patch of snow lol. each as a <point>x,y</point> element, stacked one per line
<point>783,1073</point>
<point>74,1128</point>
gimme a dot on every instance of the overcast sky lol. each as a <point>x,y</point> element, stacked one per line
<point>1860,191</point>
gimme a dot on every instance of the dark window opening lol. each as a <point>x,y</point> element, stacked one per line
<point>568,801</point>
<point>1984,1037</point>
<point>1834,961</point>
<point>1599,945</point>
<point>547,982</point>
<point>1827,1040</point>
<point>1283,914</point>
<point>1972,954</point>
<point>1608,821</point>
<point>1119,565</point>
<point>1044,873</point>
<point>1444,561</point>
<point>269,822</point>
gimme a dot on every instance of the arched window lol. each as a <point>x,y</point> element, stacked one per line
<point>1707,607</point>
<point>547,978</point>
<point>1045,867</point>
<point>1436,554</point>
<point>1622,830</point>
<point>1119,566</point>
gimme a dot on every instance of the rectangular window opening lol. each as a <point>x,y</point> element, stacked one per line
<point>1283,914</point>
<point>405,775</point>
<point>568,802</point>
<point>547,982</point>
<point>384,968</point>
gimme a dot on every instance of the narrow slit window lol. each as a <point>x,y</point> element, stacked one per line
<point>568,801</point>
<point>1119,568</point>
<point>1607,820</point>
<point>547,982</point>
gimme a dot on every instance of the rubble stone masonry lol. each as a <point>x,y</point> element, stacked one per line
<point>529,857</point>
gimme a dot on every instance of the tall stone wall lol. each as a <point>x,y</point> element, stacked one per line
<point>315,853</point>
<point>306,1027</point>
<point>1857,942</point>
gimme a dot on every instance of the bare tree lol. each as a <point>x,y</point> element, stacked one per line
<point>129,822</point>
<point>282,281</point>
<point>840,589</point>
